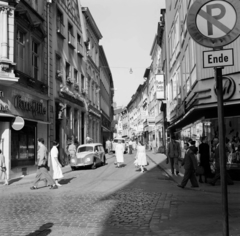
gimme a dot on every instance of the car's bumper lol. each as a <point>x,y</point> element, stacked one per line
<point>81,164</point>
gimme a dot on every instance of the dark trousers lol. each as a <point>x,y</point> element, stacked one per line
<point>43,174</point>
<point>174,164</point>
<point>189,175</point>
<point>217,177</point>
<point>130,149</point>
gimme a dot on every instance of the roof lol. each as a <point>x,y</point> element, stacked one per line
<point>117,111</point>
<point>89,144</point>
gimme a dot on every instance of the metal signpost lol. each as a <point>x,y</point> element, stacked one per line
<point>214,24</point>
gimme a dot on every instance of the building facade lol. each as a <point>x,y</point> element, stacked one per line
<point>106,96</point>
<point>26,91</point>
<point>191,93</point>
<point>93,76</point>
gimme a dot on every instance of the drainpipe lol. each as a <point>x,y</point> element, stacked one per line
<point>48,74</point>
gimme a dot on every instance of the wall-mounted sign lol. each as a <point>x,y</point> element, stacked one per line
<point>18,123</point>
<point>160,95</point>
<point>33,106</point>
<point>229,88</point>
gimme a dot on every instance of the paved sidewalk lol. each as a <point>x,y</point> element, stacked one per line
<point>160,160</point>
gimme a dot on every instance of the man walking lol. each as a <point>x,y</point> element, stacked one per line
<point>42,172</point>
<point>173,154</point>
<point>130,146</point>
<point>190,166</point>
<point>119,150</point>
<point>108,146</point>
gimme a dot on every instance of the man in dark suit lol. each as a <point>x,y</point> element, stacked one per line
<point>217,165</point>
<point>190,166</point>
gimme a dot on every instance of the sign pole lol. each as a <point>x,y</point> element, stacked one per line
<point>222,150</point>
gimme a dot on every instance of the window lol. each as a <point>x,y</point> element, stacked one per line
<point>75,76</point>
<point>70,34</point>
<point>35,59</point>
<point>79,40</point>
<point>60,25</point>
<point>58,63</point>
<point>82,82</point>
<point>21,51</point>
<point>68,70</point>
<point>68,118</point>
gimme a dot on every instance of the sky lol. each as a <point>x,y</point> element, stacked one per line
<point>128,28</point>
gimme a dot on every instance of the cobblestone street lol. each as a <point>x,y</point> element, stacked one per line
<point>102,202</point>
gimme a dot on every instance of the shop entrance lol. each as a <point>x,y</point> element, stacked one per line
<point>23,142</point>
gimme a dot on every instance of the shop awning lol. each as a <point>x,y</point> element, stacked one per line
<point>6,115</point>
<point>38,121</point>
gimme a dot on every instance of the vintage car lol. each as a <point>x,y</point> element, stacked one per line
<point>91,154</point>
<point>115,141</point>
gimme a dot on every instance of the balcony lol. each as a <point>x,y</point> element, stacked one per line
<point>80,50</point>
<point>60,29</point>
<point>71,40</point>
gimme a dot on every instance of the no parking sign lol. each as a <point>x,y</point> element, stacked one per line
<point>214,24</point>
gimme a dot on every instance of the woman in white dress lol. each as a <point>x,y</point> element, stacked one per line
<point>3,174</point>
<point>119,150</point>
<point>56,166</point>
<point>141,156</point>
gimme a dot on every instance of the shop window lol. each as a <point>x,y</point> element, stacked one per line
<point>35,60</point>
<point>23,146</point>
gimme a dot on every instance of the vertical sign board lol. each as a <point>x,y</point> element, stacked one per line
<point>214,24</point>
<point>160,87</point>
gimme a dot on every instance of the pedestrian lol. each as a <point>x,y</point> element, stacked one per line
<point>119,150</point>
<point>204,158</point>
<point>108,146</point>
<point>55,164</point>
<point>217,165</point>
<point>3,169</point>
<point>141,156</point>
<point>42,167</point>
<point>173,154</point>
<point>190,166</point>
<point>72,149</point>
<point>130,146</point>
<point>134,144</point>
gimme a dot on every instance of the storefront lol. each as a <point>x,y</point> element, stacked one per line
<point>20,147</point>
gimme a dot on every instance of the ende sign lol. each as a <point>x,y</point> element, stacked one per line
<point>218,58</point>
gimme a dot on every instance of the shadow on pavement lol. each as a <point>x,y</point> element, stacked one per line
<point>14,180</point>
<point>44,230</point>
<point>66,181</point>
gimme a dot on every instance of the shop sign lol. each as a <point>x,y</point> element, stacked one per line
<point>160,87</point>
<point>20,103</point>
<point>33,106</point>
<point>229,88</point>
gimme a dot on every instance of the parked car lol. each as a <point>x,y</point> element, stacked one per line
<point>115,141</point>
<point>91,154</point>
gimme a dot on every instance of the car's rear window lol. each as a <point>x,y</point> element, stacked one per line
<point>116,140</point>
<point>85,149</point>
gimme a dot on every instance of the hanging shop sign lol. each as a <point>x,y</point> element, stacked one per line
<point>3,106</point>
<point>160,95</point>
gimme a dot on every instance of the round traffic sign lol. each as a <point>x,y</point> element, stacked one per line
<point>214,23</point>
<point>18,123</point>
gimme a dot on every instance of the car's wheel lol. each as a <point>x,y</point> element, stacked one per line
<point>94,165</point>
<point>104,161</point>
<point>73,168</point>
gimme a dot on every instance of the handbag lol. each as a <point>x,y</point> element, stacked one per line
<point>4,169</point>
<point>199,170</point>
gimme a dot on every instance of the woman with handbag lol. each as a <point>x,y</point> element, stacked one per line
<point>3,169</point>
<point>141,156</point>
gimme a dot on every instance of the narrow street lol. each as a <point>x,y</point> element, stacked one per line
<point>111,201</point>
